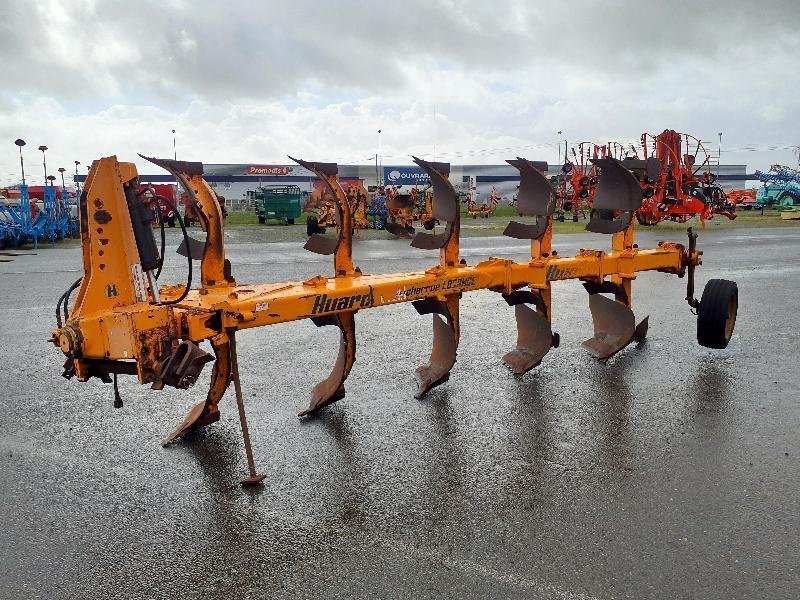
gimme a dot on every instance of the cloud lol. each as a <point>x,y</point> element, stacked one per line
<point>254,81</point>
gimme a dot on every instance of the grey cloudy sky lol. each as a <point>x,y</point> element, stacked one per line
<point>472,81</point>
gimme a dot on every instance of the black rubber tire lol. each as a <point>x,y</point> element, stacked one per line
<point>171,221</point>
<point>429,224</point>
<point>261,220</point>
<point>716,316</point>
<point>567,206</point>
<point>290,221</point>
<point>312,225</point>
<point>794,196</point>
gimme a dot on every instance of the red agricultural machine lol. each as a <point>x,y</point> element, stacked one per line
<point>578,182</point>
<point>162,202</point>
<point>485,210</point>
<point>677,183</point>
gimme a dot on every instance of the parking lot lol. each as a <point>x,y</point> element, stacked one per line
<point>669,472</point>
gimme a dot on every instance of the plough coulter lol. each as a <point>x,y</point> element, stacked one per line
<point>123,323</point>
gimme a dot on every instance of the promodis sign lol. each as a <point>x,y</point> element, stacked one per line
<point>267,170</point>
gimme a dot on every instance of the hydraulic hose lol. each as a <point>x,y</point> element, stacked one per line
<point>169,203</point>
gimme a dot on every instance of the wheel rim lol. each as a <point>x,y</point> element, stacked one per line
<point>731,321</point>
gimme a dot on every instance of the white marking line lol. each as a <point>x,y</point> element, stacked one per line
<point>40,272</point>
<point>472,567</point>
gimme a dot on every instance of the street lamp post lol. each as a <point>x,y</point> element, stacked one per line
<point>174,151</point>
<point>77,192</point>
<point>20,143</point>
<point>719,155</point>
<point>559,148</point>
<point>378,160</point>
<point>44,162</point>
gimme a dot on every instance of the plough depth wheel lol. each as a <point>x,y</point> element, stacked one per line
<point>716,315</point>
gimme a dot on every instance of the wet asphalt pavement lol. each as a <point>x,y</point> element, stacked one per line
<point>673,471</point>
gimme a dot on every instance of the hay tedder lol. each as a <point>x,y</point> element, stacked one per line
<point>579,179</point>
<point>676,179</point>
<point>123,323</point>
<point>484,210</point>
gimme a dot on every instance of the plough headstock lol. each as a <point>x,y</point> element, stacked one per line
<point>123,323</point>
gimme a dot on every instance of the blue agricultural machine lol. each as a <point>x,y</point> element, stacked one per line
<point>781,187</point>
<point>377,213</point>
<point>23,221</point>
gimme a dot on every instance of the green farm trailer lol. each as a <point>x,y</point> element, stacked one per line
<point>278,203</point>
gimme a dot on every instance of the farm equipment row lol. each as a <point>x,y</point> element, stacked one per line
<point>364,212</point>
<point>23,221</point>
<point>124,323</point>
<point>673,170</point>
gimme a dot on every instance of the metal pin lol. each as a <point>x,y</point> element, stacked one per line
<point>251,465</point>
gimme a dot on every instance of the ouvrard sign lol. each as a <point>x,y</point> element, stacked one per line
<point>405,176</point>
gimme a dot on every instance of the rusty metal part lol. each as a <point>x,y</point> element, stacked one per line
<point>536,198</point>
<point>444,208</point>
<point>205,413</point>
<point>342,246</point>
<point>194,248</point>
<point>535,335</point>
<point>399,201</point>
<point>445,342</point>
<point>184,365</point>
<point>614,327</point>
<point>402,231</point>
<point>213,270</point>
<point>254,478</point>
<point>331,389</point>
